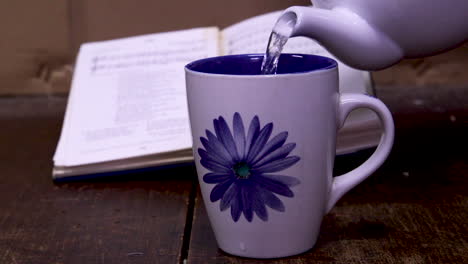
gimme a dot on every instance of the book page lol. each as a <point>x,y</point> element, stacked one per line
<point>251,36</point>
<point>128,97</point>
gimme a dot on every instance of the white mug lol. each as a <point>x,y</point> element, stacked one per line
<point>264,147</point>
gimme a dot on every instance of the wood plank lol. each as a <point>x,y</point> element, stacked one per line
<point>138,218</point>
<point>412,210</point>
<point>393,230</point>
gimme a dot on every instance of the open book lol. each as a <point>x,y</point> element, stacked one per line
<point>127,106</point>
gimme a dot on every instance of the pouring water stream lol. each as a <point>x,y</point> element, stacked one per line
<point>279,36</point>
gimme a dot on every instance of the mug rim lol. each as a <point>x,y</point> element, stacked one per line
<point>330,65</point>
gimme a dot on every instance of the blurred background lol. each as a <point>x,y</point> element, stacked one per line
<point>39,39</point>
<point>412,210</point>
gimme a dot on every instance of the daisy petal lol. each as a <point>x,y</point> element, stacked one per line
<point>258,206</point>
<point>278,154</point>
<point>273,186</point>
<point>224,134</point>
<point>213,166</point>
<point>270,199</point>
<point>236,207</point>
<point>239,134</point>
<point>260,142</point>
<point>277,165</point>
<point>228,196</point>
<point>211,178</point>
<point>287,180</point>
<point>276,142</point>
<point>252,134</point>
<point>213,145</point>
<point>212,157</point>
<point>246,198</point>
<point>219,190</point>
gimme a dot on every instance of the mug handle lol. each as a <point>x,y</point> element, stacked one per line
<point>348,102</point>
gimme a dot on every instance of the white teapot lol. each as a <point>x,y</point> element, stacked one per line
<point>375,34</point>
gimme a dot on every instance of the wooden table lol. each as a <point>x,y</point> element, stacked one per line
<point>412,210</point>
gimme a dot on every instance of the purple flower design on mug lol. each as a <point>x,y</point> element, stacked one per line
<point>244,167</point>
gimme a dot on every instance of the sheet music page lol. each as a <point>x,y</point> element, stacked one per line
<point>251,36</point>
<point>128,97</point>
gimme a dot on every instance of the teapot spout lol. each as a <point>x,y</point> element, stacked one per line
<point>344,34</point>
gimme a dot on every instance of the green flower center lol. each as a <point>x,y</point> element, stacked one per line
<point>242,170</point>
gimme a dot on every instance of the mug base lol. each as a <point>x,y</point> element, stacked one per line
<point>266,255</point>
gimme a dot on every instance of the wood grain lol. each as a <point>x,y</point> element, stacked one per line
<point>412,210</point>
<point>137,218</point>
